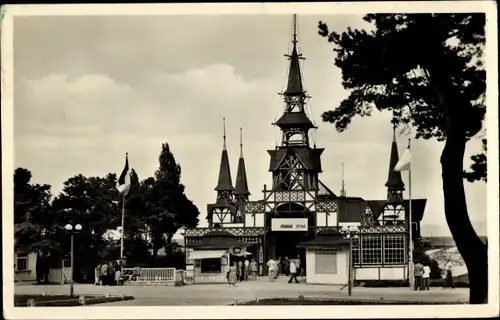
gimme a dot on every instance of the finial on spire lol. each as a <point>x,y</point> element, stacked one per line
<point>241,142</point>
<point>294,29</point>
<point>224,132</point>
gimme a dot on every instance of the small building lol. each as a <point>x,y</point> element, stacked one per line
<point>327,258</point>
<point>24,266</point>
<point>208,261</point>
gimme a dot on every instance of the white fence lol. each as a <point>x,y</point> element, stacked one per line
<point>151,275</point>
<point>60,275</point>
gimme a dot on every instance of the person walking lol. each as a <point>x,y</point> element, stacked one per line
<point>253,269</point>
<point>240,270</point>
<point>232,276</point>
<point>287,266</point>
<point>426,276</point>
<point>271,267</point>
<point>246,266</point>
<point>418,271</point>
<point>293,272</point>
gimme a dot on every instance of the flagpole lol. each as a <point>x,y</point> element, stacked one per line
<point>123,226</point>
<point>410,260</point>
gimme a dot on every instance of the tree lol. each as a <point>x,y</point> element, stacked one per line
<point>169,206</point>
<point>427,70</point>
<point>136,217</point>
<point>94,203</point>
<point>32,214</point>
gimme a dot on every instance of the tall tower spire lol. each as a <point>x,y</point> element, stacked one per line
<point>294,164</point>
<point>395,185</point>
<point>241,189</point>
<point>225,185</point>
<point>294,122</point>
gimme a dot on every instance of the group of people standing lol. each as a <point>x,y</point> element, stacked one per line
<point>241,270</point>
<point>422,273</point>
<point>289,267</point>
<point>107,274</point>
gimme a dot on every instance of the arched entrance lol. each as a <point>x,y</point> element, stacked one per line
<point>281,243</point>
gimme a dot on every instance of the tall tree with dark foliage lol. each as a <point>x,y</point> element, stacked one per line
<point>427,70</point>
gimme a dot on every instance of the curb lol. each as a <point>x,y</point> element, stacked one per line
<point>299,301</point>
<point>80,301</point>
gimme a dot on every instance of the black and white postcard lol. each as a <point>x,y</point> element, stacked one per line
<point>205,160</point>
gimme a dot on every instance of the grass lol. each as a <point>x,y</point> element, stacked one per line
<point>21,300</point>
<point>280,301</point>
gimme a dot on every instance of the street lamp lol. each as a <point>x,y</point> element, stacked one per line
<point>72,230</point>
<point>350,232</point>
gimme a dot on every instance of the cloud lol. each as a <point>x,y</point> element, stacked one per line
<point>89,89</point>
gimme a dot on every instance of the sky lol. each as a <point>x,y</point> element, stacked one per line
<point>87,89</point>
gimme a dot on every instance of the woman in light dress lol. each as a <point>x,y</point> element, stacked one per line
<point>232,276</point>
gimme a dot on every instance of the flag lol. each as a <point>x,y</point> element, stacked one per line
<point>123,184</point>
<point>405,162</point>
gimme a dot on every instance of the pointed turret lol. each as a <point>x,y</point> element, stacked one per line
<point>225,183</point>
<point>395,185</point>
<point>294,120</point>
<point>241,189</point>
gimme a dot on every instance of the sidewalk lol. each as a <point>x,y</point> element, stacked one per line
<point>222,294</point>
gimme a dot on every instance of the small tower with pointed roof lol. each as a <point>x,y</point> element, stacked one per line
<point>224,209</point>
<point>394,211</point>
<point>241,192</point>
<point>395,185</point>
<point>224,187</point>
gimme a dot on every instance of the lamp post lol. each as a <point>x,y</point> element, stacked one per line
<point>350,233</point>
<point>72,230</point>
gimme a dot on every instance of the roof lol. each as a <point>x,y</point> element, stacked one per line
<point>241,187</point>
<point>418,207</point>
<point>217,239</point>
<point>220,204</point>
<point>351,209</point>
<point>310,158</point>
<point>326,239</point>
<point>294,85</point>
<point>225,183</point>
<point>294,120</point>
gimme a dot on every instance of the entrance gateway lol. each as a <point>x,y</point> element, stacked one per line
<point>274,225</point>
<point>284,236</point>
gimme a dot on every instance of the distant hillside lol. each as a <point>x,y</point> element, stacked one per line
<point>439,242</point>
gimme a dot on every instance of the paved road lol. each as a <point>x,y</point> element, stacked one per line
<point>222,294</point>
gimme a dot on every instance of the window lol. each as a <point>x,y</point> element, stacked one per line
<point>325,263</point>
<point>371,249</point>
<point>211,265</point>
<point>355,251</point>
<point>22,263</point>
<point>394,249</point>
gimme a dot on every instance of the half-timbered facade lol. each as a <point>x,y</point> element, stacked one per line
<point>298,204</point>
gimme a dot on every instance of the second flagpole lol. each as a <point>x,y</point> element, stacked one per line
<point>123,228</point>
<point>410,255</point>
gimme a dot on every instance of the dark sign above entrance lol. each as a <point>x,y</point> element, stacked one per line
<point>289,224</point>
